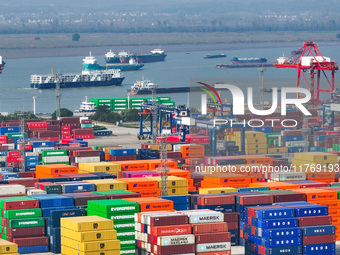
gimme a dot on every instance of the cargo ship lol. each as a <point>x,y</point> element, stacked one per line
<point>236,60</point>
<point>145,87</point>
<point>155,56</point>
<point>84,79</point>
<point>215,56</point>
<point>111,57</point>
<point>90,64</point>
<point>248,65</point>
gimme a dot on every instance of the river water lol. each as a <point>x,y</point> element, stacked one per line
<point>180,67</point>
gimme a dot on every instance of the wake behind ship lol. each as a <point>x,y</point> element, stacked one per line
<point>84,79</point>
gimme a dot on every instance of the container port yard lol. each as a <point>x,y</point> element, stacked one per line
<point>219,178</point>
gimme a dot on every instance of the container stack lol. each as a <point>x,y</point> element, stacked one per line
<point>270,230</point>
<point>176,185</point>
<point>315,235</point>
<point>50,157</point>
<point>255,142</point>
<point>89,234</point>
<point>123,154</point>
<point>23,224</point>
<point>293,140</point>
<point>32,161</point>
<point>233,221</point>
<point>164,233</point>
<point>122,213</point>
<point>84,156</point>
<point>203,220</point>
<point>147,154</point>
<point>146,187</point>
<point>315,160</point>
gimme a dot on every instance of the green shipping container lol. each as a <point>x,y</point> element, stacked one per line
<point>66,163</point>
<point>15,135</point>
<point>54,153</point>
<point>53,189</point>
<point>25,223</point>
<point>22,213</point>
<point>126,235</point>
<point>86,125</point>
<point>99,146</point>
<point>117,218</point>
<point>113,206</point>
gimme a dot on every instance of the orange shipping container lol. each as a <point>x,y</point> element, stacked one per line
<point>330,203</point>
<point>257,159</point>
<point>107,157</point>
<point>148,204</point>
<point>318,194</point>
<point>154,164</point>
<point>132,165</point>
<point>148,192</point>
<point>56,169</point>
<point>139,183</point>
<point>275,185</point>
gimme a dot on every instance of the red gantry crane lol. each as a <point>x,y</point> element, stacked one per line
<point>308,58</point>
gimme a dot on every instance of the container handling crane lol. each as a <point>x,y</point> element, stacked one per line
<point>308,58</point>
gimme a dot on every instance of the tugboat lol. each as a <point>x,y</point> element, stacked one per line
<point>90,64</point>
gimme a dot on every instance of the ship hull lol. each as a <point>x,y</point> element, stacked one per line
<point>112,82</point>
<point>244,65</point>
<point>122,67</point>
<point>150,58</point>
<point>164,90</point>
<point>112,60</point>
<point>214,56</point>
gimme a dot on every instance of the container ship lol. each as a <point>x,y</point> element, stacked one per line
<point>111,57</point>
<point>145,87</point>
<point>236,60</point>
<point>90,64</point>
<point>155,56</point>
<point>215,56</point>
<point>84,79</point>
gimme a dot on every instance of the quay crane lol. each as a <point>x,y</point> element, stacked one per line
<point>308,58</point>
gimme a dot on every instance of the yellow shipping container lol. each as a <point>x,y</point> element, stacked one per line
<point>107,149</point>
<point>86,223</point>
<point>103,245</point>
<point>250,134</point>
<point>69,251</point>
<point>158,147</point>
<point>7,247</point>
<point>310,165</point>
<point>106,167</point>
<point>316,156</point>
<point>173,181</point>
<point>89,235</point>
<point>217,190</point>
<point>178,191</point>
<point>252,146</point>
<point>256,151</point>
<point>108,184</point>
<point>278,150</point>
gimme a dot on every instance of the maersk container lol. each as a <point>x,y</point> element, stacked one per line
<point>175,240</point>
<point>204,216</point>
<point>213,247</point>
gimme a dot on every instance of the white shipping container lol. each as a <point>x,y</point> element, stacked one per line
<point>11,146</point>
<point>12,189</point>
<point>296,144</point>
<point>87,159</point>
<point>56,159</point>
<point>211,247</point>
<point>36,192</point>
<point>287,176</point>
<point>40,149</point>
<point>204,216</point>
<point>32,154</point>
<point>175,240</point>
<point>3,158</point>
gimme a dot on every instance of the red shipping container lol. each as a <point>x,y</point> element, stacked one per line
<point>86,153</point>
<point>315,220</point>
<point>209,228</point>
<point>66,138</point>
<point>231,217</point>
<point>65,128</point>
<point>13,154</point>
<point>28,241</point>
<point>256,199</point>
<point>82,131</point>
<point>64,133</point>
<point>233,225</point>
<point>175,249</point>
<point>88,121</point>
<point>170,230</point>
<point>213,237</point>
<point>14,159</point>
<point>22,232</point>
<point>289,197</point>
<point>26,174</point>
<point>318,239</point>
<point>168,220</point>
<point>27,182</point>
<point>216,200</point>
